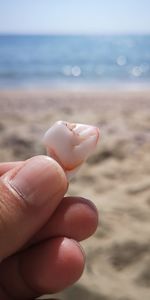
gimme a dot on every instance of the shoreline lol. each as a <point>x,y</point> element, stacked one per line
<point>117,86</point>
<point>40,100</point>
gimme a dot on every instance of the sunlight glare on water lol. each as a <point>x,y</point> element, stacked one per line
<point>62,60</point>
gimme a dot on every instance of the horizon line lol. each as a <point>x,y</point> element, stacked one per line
<point>76,33</point>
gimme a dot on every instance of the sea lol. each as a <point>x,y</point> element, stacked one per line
<point>48,61</point>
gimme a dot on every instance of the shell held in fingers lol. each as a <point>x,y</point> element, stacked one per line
<point>70,144</point>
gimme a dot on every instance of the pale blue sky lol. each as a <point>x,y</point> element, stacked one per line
<point>75,16</point>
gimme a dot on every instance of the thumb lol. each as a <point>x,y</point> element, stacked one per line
<point>29,194</point>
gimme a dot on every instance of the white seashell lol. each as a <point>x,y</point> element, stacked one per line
<point>70,144</point>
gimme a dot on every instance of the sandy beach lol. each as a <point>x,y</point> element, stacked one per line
<point>116,178</point>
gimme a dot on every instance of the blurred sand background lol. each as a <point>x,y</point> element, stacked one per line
<point>116,178</point>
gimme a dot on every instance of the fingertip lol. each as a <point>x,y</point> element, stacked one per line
<point>53,265</point>
<point>33,188</point>
<point>75,218</point>
<point>79,218</point>
<point>57,169</point>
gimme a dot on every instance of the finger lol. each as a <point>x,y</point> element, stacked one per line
<point>28,197</point>
<point>75,218</point>
<point>5,167</point>
<point>42,269</point>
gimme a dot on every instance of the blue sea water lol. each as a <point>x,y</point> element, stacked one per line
<point>47,61</point>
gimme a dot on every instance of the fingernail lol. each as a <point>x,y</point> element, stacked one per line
<point>38,180</point>
<point>80,248</point>
<point>89,203</point>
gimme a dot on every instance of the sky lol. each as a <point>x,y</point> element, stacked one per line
<point>74,16</point>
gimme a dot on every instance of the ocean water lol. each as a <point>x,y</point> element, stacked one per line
<point>55,61</point>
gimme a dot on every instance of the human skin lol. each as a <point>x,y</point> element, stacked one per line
<point>40,229</point>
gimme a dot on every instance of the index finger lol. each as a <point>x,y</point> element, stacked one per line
<point>5,167</point>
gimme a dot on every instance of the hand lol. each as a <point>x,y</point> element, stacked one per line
<point>40,229</point>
